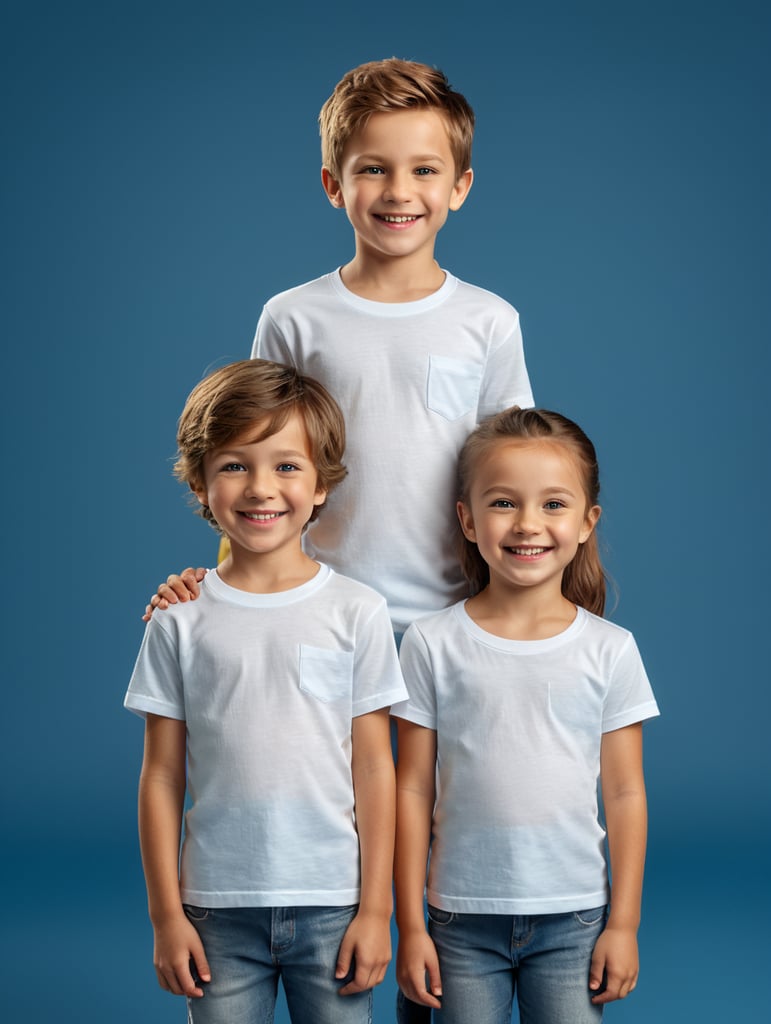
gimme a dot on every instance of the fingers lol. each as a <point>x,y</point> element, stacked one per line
<point>178,978</point>
<point>366,976</point>
<point>367,971</point>
<point>424,987</point>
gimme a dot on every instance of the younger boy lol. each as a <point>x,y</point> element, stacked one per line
<point>414,356</point>
<point>275,687</point>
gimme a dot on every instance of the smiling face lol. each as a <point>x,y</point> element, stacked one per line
<point>398,182</point>
<point>262,492</point>
<point>527,513</point>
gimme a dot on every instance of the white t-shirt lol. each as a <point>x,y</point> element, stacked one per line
<point>519,726</point>
<point>268,685</point>
<point>413,380</point>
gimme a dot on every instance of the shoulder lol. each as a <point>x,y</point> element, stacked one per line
<point>482,298</point>
<point>344,588</point>
<point>306,292</point>
<point>610,632</point>
<point>428,628</point>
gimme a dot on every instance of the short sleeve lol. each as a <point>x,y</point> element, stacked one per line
<point>506,381</point>
<point>629,697</point>
<point>269,342</point>
<point>420,706</point>
<point>377,679</point>
<point>156,682</point>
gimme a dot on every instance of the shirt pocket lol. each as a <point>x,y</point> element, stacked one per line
<point>324,674</point>
<point>453,386</point>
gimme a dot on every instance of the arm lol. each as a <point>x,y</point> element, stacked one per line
<point>415,796</point>
<point>367,942</point>
<point>623,797</point>
<point>161,797</point>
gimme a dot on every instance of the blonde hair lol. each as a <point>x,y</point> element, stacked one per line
<point>235,398</point>
<point>382,86</point>
<point>584,581</point>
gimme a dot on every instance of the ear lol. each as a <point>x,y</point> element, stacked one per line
<point>332,188</point>
<point>461,189</point>
<point>466,522</point>
<point>590,521</point>
<point>320,496</point>
<point>201,494</point>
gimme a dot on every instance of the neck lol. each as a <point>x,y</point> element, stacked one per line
<point>264,574</point>
<point>522,613</point>
<point>392,279</point>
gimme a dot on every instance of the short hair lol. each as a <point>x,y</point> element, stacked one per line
<point>237,397</point>
<point>382,86</point>
<point>584,580</point>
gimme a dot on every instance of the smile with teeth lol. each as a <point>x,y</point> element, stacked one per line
<point>262,517</point>
<point>528,551</point>
<point>396,219</point>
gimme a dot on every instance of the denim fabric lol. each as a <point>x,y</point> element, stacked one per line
<point>408,1012</point>
<point>487,959</point>
<point>250,948</point>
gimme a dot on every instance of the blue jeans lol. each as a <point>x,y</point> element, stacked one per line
<point>487,959</point>
<point>250,948</point>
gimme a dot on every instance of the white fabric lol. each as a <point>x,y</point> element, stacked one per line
<point>268,685</point>
<point>413,379</point>
<point>519,726</point>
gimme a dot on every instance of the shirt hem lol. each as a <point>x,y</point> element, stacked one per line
<point>299,898</point>
<point>488,905</point>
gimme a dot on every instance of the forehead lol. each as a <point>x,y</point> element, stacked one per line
<point>422,130</point>
<point>539,462</point>
<point>291,435</point>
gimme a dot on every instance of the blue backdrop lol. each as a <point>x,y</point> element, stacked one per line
<point>161,181</point>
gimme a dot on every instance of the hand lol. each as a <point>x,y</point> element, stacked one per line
<point>176,944</point>
<point>366,947</point>
<point>615,955</point>
<point>416,959</point>
<point>176,588</point>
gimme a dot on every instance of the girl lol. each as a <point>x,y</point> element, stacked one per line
<point>520,697</point>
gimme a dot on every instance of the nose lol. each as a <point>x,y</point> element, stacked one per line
<point>260,484</point>
<point>397,188</point>
<point>527,521</point>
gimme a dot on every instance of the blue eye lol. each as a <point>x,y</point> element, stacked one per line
<point>233,467</point>
<point>502,503</point>
<point>425,170</point>
<point>286,467</point>
<point>553,505</point>
<point>372,170</point>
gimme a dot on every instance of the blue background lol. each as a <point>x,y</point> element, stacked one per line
<point>160,183</point>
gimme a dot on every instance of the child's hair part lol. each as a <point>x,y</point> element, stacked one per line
<point>584,581</point>
<point>383,86</point>
<point>251,393</point>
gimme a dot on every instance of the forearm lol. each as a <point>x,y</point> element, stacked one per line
<point>375,794</point>
<point>626,820</point>
<point>161,799</point>
<point>415,797</point>
<point>413,837</point>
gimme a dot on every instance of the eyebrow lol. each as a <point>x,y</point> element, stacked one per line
<point>547,492</point>
<point>288,453</point>
<point>375,158</point>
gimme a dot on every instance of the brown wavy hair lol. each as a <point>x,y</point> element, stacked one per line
<point>381,86</point>
<point>584,581</point>
<point>236,398</point>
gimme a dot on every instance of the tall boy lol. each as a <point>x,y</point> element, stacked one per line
<point>414,356</point>
<point>274,687</point>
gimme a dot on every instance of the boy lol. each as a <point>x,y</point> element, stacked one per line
<point>414,356</point>
<point>275,686</point>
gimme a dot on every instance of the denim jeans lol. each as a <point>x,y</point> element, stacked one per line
<point>250,948</point>
<point>487,959</point>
